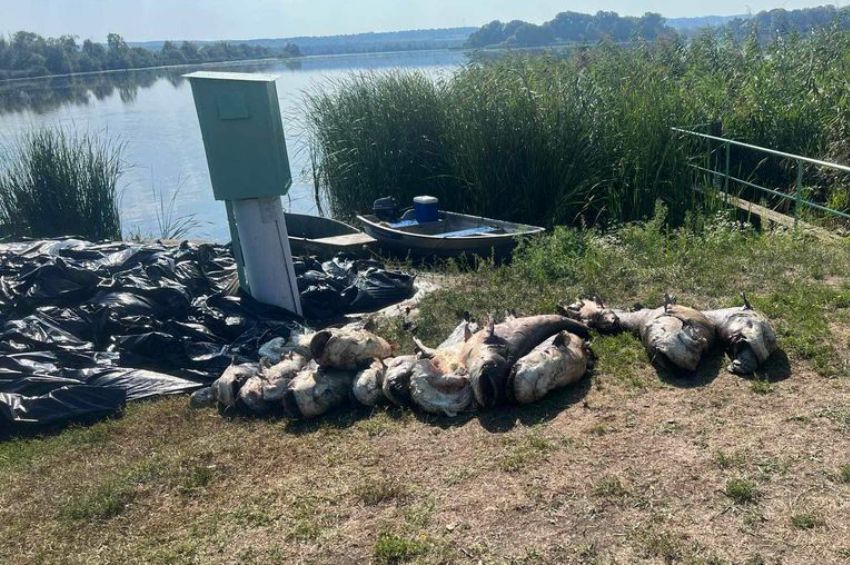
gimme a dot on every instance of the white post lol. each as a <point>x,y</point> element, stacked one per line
<point>264,243</point>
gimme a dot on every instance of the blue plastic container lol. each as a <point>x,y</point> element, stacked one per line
<point>426,209</point>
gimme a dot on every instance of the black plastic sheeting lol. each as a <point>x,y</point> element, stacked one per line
<point>86,327</point>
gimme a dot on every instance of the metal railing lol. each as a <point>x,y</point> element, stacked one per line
<point>798,194</point>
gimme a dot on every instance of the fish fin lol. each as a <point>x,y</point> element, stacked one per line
<point>563,339</point>
<point>668,301</point>
<point>423,350</point>
<point>491,327</point>
<point>467,333</point>
<point>599,301</point>
<point>747,305</point>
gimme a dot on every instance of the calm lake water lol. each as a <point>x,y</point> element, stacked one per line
<point>152,113</point>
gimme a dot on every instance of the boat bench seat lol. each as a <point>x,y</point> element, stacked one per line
<point>468,232</point>
<point>483,230</point>
<point>347,240</point>
<point>404,224</point>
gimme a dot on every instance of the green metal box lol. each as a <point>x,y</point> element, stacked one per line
<point>243,134</point>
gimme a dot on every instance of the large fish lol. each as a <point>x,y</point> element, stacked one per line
<point>264,391</point>
<point>396,385</point>
<point>490,353</point>
<point>277,349</point>
<point>675,337</point>
<point>747,334</point>
<point>559,361</point>
<point>226,388</point>
<point>446,356</point>
<point>437,392</point>
<point>348,348</point>
<point>276,378</point>
<point>316,390</point>
<point>368,384</point>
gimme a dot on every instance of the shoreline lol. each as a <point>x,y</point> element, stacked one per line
<point>236,62</point>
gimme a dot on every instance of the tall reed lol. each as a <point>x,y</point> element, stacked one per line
<point>582,136</point>
<point>57,183</point>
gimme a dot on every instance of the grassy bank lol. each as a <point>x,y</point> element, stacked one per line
<point>556,139</point>
<point>628,466</point>
<point>58,183</point>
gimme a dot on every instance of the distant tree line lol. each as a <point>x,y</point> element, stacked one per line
<point>773,24</point>
<point>27,54</point>
<point>572,27</point>
<point>569,27</point>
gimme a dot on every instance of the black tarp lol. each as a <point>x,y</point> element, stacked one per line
<point>85,327</point>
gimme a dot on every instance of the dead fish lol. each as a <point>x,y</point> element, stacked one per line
<point>278,348</point>
<point>226,388</point>
<point>490,353</point>
<point>436,392</point>
<point>368,384</point>
<point>748,335</point>
<point>396,384</point>
<point>674,336</point>
<point>276,377</point>
<point>348,349</point>
<point>315,391</point>
<point>202,398</point>
<point>558,362</point>
<point>250,396</point>
<point>446,356</point>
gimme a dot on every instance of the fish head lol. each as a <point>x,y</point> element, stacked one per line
<point>749,329</point>
<point>593,313</point>
<point>488,373</point>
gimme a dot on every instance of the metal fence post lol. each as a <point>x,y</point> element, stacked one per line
<point>798,195</point>
<point>726,178</point>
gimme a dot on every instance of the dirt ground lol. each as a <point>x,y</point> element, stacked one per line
<point>628,466</point>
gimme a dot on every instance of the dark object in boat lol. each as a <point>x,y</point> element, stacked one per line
<point>386,209</point>
<point>324,237</point>
<point>451,236</point>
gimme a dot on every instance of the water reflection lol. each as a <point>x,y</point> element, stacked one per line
<point>44,95</point>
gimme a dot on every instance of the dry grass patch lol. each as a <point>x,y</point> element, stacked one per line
<point>523,452</point>
<point>377,490</point>
<point>844,474</point>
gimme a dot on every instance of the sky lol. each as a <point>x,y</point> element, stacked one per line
<point>142,20</point>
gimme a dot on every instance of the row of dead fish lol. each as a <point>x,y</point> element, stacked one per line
<point>519,360</point>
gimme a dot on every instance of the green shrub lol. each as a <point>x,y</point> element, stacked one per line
<point>741,491</point>
<point>58,183</point>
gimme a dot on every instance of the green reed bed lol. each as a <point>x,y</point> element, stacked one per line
<point>575,137</point>
<point>57,183</point>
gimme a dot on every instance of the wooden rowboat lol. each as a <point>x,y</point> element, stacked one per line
<point>451,236</point>
<point>324,237</point>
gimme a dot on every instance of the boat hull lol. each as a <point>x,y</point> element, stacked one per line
<point>324,237</point>
<point>430,243</point>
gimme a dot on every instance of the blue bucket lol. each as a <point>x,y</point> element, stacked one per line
<point>426,209</point>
